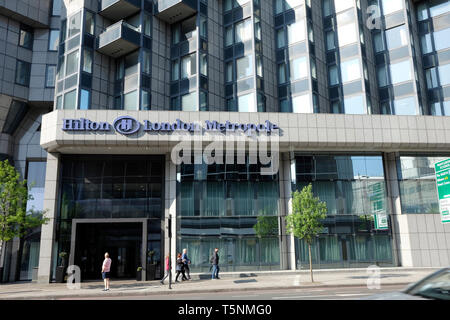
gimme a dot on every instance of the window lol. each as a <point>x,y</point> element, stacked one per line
<point>278,6</point>
<point>331,44</point>
<point>422,12</point>
<point>301,104</point>
<point>441,39</point>
<point>282,73</point>
<point>438,9</point>
<point>281,41</point>
<point>378,42</point>
<point>175,34</point>
<point>405,106</point>
<point>284,105</point>
<point>23,73</point>
<point>50,75</point>
<point>333,75</point>
<point>58,102</point>
<point>146,62</point>
<point>145,100</point>
<point>130,101</point>
<point>74,24</point>
<point>189,102</point>
<point>290,4</point>
<point>390,6</point>
<point>56,7</point>
<point>228,5</point>
<point>53,38</point>
<point>87,60</point>
<point>84,99</point>
<point>203,64</point>
<point>70,99</point>
<point>72,63</point>
<point>26,37</point>
<point>175,70</point>
<point>229,72</point>
<point>350,70</point>
<point>327,9</point>
<point>243,31</point>
<point>147,25</point>
<point>188,66</point>
<point>244,67</point>
<point>296,32</point>
<point>89,22</point>
<point>246,103</point>
<point>203,27</point>
<point>396,37</point>
<point>431,76</point>
<point>62,32</point>
<point>444,74</point>
<point>400,72</point>
<point>131,64</point>
<point>382,76</point>
<point>341,5</point>
<point>228,36</point>
<point>298,68</point>
<point>347,34</point>
<point>425,42</point>
<point>354,105</point>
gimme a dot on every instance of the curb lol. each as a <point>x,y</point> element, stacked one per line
<point>169,292</point>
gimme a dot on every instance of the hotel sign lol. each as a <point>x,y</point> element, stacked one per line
<point>442,170</point>
<point>127,125</point>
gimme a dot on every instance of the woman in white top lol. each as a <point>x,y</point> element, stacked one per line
<point>106,269</point>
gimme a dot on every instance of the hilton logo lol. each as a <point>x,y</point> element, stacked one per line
<point>126,125</point>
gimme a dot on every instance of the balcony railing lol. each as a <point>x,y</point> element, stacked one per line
<point>118,39</point>
<point>173,11</point>
<point>118,9</point>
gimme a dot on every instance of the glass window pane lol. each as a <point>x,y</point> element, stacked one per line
<point>390,6</point>
<point>74,24</point>
<point>341,5</point>
<point>56,7</point>
<point>444,74</point>
<point>301,104</point>
<point>330,40</point>
<point>72,63</point>
<point>333,75</point>
<point>282,73</point>
<point>53,40</point>
<point>278,6</point>
<point>84,99</point>
<point>438,9</point>
<point>431,77</point>
<point>203,64</point>
<point>145,100</point>
<point>189,102</point>
<point>425,41</point>
<point>350,70</point>
<point>281,41</point>
<point>355,105</point>
<point>89,22</point>
<point>400,72</point>
<point>382,76</point>
<point>229,72</point>
<point>296,32</point>
<point>378,42</point>
<point>347,34</point>
<point>327,8</point>
<point>147,25</point>
<point>188,66</point>
<point>246,103</point>
<point>406,106</point>
<point>203,27</point>
<point>244,67</point>
<point>70,100</point>
<point>131,64</point>
<point>298,68</point>
<point>23,73</point>
<point>228,5</point>
<point>175,70</point>
<point>50,76</point>
<point>441,39</point>
<point>243,31</point>
<point>87,61</point>
<point>422,12</point>
<point>396,37</point>
<point>131,100</point>
<point>146,62</point>
<point>290,4</point>
<point>229,36</point>
<point>26,37</point>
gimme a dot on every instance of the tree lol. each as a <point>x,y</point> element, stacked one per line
<point>15,221</point>
<point>305,220</point>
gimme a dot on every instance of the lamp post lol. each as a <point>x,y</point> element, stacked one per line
<point>169,224</point>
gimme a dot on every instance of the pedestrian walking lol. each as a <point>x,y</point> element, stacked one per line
<point>187,262</point>
<point>167,268</point>
<point>106,271</point>
<point>180,268</point>
<point>215,264</point>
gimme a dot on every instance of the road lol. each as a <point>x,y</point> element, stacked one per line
<point>333,293</point>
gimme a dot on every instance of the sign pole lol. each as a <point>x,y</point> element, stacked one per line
<point>170,250</point>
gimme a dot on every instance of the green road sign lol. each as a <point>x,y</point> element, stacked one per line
<point>442,170</point>
<point>381,221</point>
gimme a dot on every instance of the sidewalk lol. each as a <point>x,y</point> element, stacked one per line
<point>228,282</point>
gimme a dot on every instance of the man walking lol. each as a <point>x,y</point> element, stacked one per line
<point>186,262</point>
<point>215,264</point>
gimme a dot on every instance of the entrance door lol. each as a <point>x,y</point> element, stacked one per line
<point>122,241</point>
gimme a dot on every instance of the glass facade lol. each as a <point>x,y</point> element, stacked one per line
<point>353,188</point>
<point>223,206</point>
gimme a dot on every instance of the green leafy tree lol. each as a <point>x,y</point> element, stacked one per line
<point>266,226</point>
<point>305,220</point>
<point>15,221</point>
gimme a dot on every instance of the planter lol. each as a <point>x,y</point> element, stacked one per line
<point>60,273</point>
<point>139,275</point>
<point>151,272</point>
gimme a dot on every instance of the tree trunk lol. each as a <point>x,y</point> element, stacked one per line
<point>310,262</point>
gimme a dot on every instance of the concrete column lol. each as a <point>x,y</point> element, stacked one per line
<point>393,192</point>
<point>51,207</point>
<point>288,247</point>
<point>170,184</point>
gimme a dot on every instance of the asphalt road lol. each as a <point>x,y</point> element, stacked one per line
<point>338,293</point>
